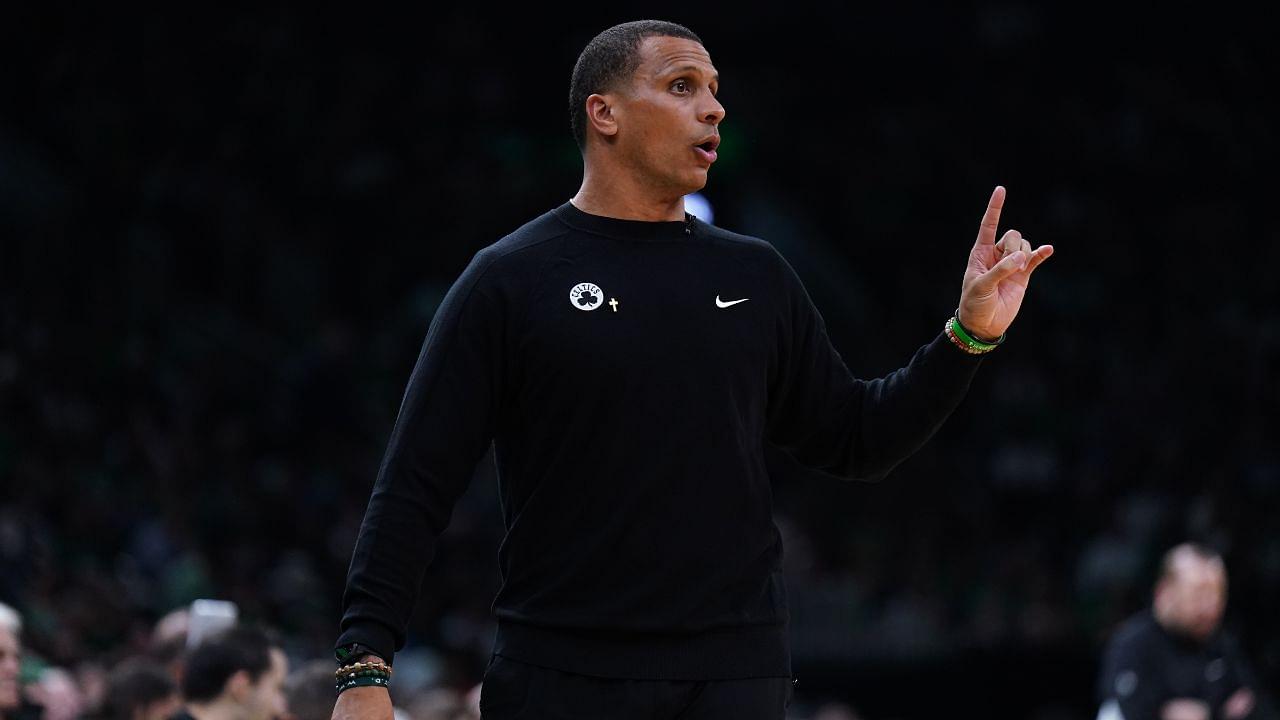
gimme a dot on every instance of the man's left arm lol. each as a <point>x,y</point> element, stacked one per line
<point>1247,701</point>
<point>831,421</point>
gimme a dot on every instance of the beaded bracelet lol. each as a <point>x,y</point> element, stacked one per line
<point>347,670</point>
<point>372,674</point>
<point>963,339</point>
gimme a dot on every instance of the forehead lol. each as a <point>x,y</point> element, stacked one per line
<point>1193,571</point>
<point>661,54</point>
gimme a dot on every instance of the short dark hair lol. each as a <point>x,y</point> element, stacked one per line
<point>309,691</point>
<point>135,684</point>
<point>216,659</point>
<point>612,57</point>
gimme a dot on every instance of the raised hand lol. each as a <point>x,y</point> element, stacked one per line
<point>996,279</point>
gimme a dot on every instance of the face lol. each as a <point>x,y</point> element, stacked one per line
<point>265,699</point>
<point>1192,600</point>
<point>667,119</point>
<point>9,652</point>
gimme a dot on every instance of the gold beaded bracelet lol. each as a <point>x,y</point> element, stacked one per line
<point>356,669</point>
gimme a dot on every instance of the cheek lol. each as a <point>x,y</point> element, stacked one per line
<point>655,126</point>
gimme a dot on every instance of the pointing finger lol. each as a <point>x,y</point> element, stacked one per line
<point>991,219</point>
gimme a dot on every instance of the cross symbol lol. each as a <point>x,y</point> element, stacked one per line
<point>613,303</point>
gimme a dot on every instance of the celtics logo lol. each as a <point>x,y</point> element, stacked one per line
<point>586,296</point>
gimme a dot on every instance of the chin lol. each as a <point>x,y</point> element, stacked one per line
<point>695,182</point>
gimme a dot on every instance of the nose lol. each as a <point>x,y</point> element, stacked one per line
<point>714,113</point>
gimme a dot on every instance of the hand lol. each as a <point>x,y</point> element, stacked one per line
<point>364,703</point>
<point>1239,705</point>
<point>996,279</point>
<point>1184,709</point>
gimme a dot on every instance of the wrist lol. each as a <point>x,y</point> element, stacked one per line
<point>967,341</point>
<point>373,673</point>
<point>358,653</point>
<point>981,337</point>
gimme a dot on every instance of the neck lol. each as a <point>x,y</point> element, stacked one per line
<point>622,195</point>
<point>214,710</point>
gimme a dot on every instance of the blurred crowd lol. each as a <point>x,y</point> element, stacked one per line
<point>224,238</point>
<point>175,676</point>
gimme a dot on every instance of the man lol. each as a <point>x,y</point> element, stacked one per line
<point>308,691</point>
<point>630,362</point>
<point>1172,663</point>
<point>140,689</point>
<point>10,662</point>
<point>237,674</point>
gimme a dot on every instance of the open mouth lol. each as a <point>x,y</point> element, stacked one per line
<point>707,149</point>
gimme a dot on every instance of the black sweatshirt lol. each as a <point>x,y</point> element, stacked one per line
<point>1146,666</point>
<point>629,374</point>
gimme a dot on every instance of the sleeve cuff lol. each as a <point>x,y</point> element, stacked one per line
<point>958,357</point>
<point>376,636</point>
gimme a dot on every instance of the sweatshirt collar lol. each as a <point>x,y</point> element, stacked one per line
<point>685,229</point>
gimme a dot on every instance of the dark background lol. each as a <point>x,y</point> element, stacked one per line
<point>224,234</point>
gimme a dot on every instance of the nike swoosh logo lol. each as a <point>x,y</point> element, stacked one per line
<point>723,304</point>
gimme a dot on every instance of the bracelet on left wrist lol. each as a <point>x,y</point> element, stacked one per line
<point>974,335</point>
<point>965,340</point>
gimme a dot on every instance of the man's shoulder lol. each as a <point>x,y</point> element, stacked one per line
<point>1138,629</point>
<point>533,235</point>
<point>747,243</point>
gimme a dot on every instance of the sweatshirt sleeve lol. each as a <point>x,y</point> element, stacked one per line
<point>1131,684</point>
<point>856,429</point>
<point>445,425</point>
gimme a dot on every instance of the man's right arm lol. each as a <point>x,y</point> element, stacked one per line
<point>446,421</point>
<point>1129,681</point>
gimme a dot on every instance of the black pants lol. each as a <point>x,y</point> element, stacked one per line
<point>514,690</point>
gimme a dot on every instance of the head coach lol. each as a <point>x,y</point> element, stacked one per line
<point>629,363</point>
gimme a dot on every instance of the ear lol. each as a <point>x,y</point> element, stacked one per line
<point>239,686</point>
<point>600,114</point>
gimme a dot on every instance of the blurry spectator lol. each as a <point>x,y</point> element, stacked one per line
<point>237,674</point>
<point>440,704</point>
<point>91,677</point>
<point>472,700</point>
<point>141,689</point>
<point>1172,662</point>
<point>10,651</point>
<point>173,626</point>
<point>835,711</point>
<point>309,691</point>
<point>58,694</point>
<point>169,641</point>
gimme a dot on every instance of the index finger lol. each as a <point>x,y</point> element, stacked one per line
<point>991,218</point>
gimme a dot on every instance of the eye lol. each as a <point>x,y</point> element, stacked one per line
<point>680,86</point>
